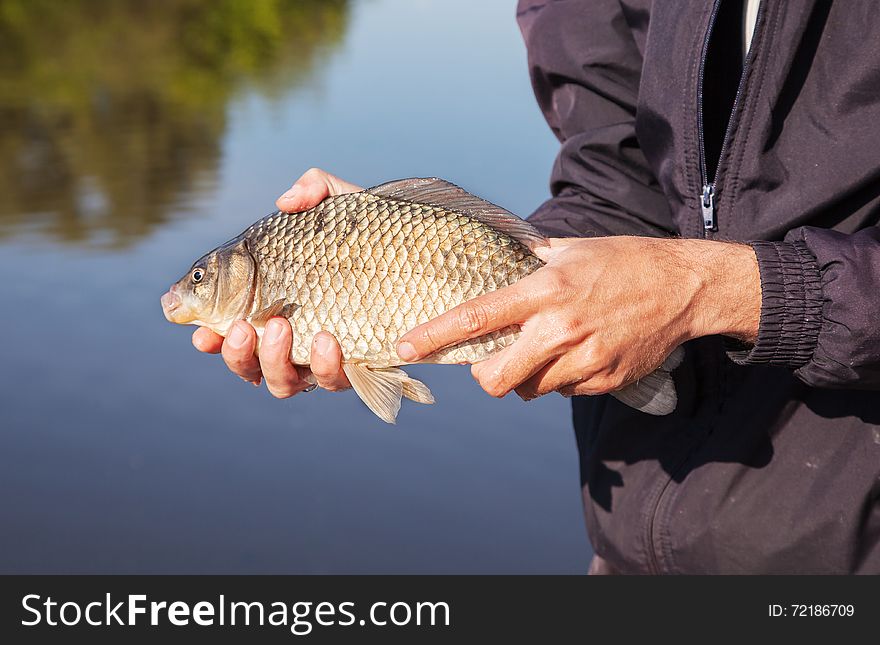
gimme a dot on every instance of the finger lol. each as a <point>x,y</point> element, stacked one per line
<point>532,388</point>
<point>509,368</point>
<point>205,340</point>
<point>314,186</point>
<point>282,379</point>
<point>561,372</point>
<point>507,306</point>
<point>327,363</point>
<point>583,388</point>
<point>238,351</point>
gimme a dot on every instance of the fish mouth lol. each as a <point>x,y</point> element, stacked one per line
<point>170,304</point>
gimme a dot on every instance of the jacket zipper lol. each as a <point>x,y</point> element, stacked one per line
<point>708,188</point>
<point>707,212</point>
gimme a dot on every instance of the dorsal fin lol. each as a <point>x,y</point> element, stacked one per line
<point>437,192</point>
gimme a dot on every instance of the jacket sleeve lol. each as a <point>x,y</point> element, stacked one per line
<point>585,67</point>
<point>820,312</point>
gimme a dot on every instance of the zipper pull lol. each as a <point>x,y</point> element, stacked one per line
<point>707,205</point>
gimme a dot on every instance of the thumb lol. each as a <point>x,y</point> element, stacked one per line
<point>309,190</point>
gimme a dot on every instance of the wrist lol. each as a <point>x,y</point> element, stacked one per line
<point>726,289</point>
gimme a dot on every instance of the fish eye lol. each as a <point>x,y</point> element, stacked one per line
<point>197,275</point>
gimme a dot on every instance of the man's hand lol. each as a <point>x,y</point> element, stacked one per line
<point>602,313</point>
<point>282,378</point>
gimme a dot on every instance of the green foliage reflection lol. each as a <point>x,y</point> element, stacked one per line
<point>113,111</point>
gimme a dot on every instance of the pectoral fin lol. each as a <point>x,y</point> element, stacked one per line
<point>654,393</point>
<point>382,389</point>
<point>261,317</point>
<point>278,308</point>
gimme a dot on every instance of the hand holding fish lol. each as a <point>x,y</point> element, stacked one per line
<point>602,313</point>
<point>283,379</point>
<point>330,291</point>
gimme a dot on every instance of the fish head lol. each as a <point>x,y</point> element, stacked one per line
<point>216,291</point>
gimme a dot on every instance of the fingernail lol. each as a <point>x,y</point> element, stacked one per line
<point>274,329</point>
<point>407,352</point>
<point>237,337</point>
<point>291,192</point>
<point>323,344</point>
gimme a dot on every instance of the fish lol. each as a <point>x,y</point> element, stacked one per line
<point>367,267</point>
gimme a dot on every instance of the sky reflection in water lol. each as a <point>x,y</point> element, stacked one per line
<point>146,135</point>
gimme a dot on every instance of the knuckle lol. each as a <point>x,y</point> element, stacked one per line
<point>495,391</point>
<point>600,384</point>
<point>334,186</point>
<point>603,381</point>
<point>332,380</point>
<point>560,333</point>
<point>313,173</point>
<point>494,386</point>
<point>323,373</point>
<point>594,359</point>
<point>427,337</point>
<point>555,283</point>
<point>239,364</point>
<point>566,328</point>
<point>473,318</point>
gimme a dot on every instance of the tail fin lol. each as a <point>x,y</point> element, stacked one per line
<point>655,393</point>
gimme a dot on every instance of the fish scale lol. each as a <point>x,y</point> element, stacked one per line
<point>367,269</point>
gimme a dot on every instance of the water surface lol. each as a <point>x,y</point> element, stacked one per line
<point>146,135</point>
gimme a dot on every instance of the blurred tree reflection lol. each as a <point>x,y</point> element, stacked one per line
<point>113,111</point>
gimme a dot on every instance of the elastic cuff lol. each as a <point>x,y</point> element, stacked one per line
<point>791,306</point>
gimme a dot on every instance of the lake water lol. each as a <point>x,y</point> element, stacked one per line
<point>145,136</point>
